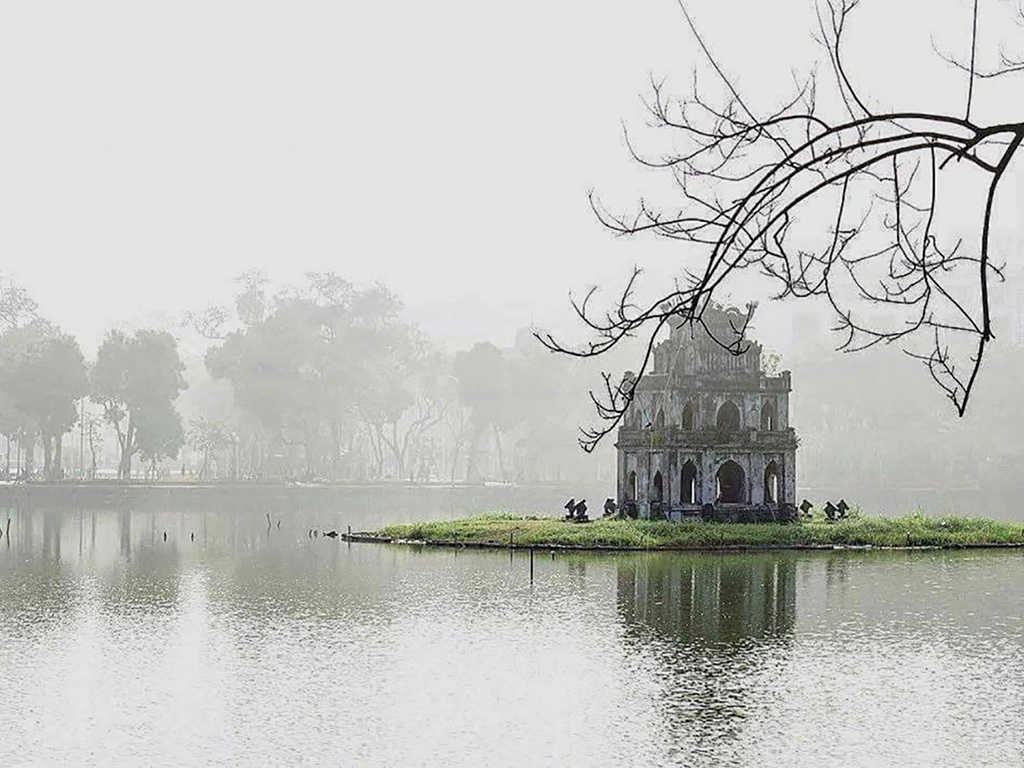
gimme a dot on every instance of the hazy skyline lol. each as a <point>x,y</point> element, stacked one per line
<point>145,170</point>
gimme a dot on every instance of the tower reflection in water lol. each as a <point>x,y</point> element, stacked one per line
<point>711,632</point>
<point>706,598</point>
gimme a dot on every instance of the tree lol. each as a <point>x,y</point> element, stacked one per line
<point>309,363</point>
<point>136,379</point>
<point>251,300</point>
<point>12,425</point>
<point>209,437</point>
<point>93,428</point>
<point>159,435</point>
<point>403,399</point>
<point>487,387</point>
<point>828,195</point>
<point>43,374</point>
<point>16,306</point>
<point>458,426</point>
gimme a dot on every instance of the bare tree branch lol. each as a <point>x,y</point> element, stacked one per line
<point>845,210</point>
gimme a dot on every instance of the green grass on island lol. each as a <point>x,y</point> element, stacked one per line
<point>914,530</point>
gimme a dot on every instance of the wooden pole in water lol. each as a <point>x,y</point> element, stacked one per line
<point>531,565</point>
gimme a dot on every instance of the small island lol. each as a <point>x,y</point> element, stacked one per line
<point>504,530</point>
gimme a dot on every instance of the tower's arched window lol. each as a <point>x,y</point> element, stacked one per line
<point>687,421</point>
<point>769,417</point>
<point>631,486</point>
<point>771,484</point>
<point>659,420</point>
<point>688,484</point>
<point>731,483</point>
<point>657,488</point>
<point>728,416</point>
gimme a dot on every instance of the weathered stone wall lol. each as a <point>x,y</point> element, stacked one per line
<point>646,462</point>
<point>689,369</point>
<point>657,398</point>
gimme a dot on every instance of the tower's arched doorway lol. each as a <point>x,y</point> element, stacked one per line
<point>731,483</point>
<point>728,416</point>
<point>688,484</point>
<point>769,418</point>
<point>657,488</point>
<point>772,487</point>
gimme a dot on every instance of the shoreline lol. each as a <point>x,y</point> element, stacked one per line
<point>369,538</point>
<point>910,532</point>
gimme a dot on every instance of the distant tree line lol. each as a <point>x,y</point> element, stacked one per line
<point>45,381</point>
<point>327,382</point>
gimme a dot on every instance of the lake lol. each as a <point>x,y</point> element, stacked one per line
<point>257,646</point>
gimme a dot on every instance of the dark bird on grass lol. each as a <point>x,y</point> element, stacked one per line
<point>165,535</point>
<point>581,510</point>
<point>332,534</point>
<point>192,535</point>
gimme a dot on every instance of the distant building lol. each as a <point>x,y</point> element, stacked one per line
<point>707,427</point>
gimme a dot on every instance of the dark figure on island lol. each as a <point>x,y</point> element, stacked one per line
<point>570,508</point>
<point>332,534</point>
<point>581,511</point>
<point>830,510</point>
<point>610,508</point>
<point>844,509</point>
<point>165,535</point>
<point>805,508</point>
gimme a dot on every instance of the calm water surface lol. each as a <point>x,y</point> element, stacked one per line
<point>256,647</point>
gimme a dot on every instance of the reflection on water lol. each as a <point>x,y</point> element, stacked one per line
<point>704,600</point>
<point>230,642</point>
<point>708,627</point>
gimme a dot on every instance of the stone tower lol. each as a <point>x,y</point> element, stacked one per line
<point>708,431</point>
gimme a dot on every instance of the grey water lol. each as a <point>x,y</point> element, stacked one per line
<point>259,645</point>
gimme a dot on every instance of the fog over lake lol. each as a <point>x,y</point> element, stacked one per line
<point>695,326</point>
<point>248,646</point>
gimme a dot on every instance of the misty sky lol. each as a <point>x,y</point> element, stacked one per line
<point>151,152</point>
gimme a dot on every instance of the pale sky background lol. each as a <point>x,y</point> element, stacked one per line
<point>150,152</point>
